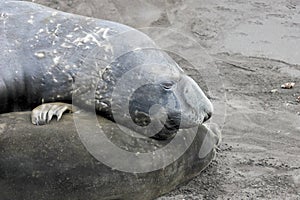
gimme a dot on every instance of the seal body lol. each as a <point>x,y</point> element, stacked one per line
<point>50,162</point>
<point>52,56</point>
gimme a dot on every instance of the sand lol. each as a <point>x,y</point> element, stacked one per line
<point>240,52</point>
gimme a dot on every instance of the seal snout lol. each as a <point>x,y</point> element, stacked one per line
<point>196,108</point>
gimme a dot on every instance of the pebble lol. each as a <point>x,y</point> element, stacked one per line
<point>288,85</point>
<point>274,91</point>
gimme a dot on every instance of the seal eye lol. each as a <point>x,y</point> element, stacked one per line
<point>167,85</point>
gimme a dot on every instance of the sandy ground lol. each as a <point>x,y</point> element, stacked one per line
<point>254,47</point>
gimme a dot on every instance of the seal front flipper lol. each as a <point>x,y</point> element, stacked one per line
<point>44,113</point>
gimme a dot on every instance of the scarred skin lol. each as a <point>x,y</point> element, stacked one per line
<point>52,56</point>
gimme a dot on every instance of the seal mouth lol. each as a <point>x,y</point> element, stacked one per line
<point>169,130</point>
<point>165,134</point>
<point>207,117</point>
<point>172,125</point>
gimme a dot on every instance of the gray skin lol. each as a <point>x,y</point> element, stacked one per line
<point>51,163</point>
<point>52,56</point>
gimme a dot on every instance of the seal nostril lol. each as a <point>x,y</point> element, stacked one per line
<point>207,117</point>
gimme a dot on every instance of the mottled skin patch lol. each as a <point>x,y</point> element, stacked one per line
<point>2,128</point>
<point>52,56</point>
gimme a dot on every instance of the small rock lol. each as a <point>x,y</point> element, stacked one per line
<point>40,54</point>
<point>288,85</point>
<point>274,91</point>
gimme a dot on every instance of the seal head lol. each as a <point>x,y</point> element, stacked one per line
<point>153,92</point>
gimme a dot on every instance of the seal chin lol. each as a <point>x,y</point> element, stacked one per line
<point>168,132</point>
<point>170,127</point>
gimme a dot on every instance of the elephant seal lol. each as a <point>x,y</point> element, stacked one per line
<point>50,163</point>
<point>51,59</point>
<point>48,56</point>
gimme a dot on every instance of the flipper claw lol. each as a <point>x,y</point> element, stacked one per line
<point>43,114</point>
